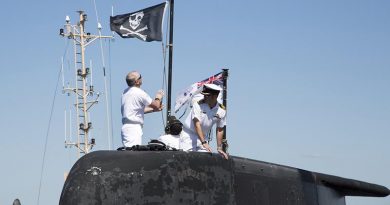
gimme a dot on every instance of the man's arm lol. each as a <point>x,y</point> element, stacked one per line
<point>199,132</point>
<point>149,109</point>
<point>156,104</point>
<point>219,142</point>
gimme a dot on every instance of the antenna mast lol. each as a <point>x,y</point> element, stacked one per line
<point>171,3</point>
<point>83,90</point>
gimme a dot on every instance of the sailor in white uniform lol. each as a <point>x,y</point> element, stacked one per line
<point>204,114</point>
<point>172,137</point>
<point>135,103</point>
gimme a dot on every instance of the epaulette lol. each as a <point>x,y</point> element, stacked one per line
<point>222,106</point>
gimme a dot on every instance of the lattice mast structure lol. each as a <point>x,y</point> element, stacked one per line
<point>83,90</point>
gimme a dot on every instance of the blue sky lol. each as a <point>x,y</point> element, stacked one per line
<point>309,84</point>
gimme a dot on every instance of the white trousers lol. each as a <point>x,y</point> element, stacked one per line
<point>131,134</point>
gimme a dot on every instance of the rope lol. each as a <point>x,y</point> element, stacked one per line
<point>47,135</point>
<point>109,65</point>
<point>69,103</point>
<point>164,51</point>
<point>164,83</point>
<point>105,80</point>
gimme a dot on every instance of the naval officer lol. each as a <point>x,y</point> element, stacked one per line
<point>204,114</point>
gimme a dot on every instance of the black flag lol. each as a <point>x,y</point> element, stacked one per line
<point>144,24</point>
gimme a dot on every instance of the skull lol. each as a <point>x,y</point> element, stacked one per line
<point>135,19</point>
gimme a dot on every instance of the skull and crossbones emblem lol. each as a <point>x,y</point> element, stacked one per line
<point>134,21</point>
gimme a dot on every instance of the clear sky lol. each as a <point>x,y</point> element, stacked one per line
<point>309,84</point>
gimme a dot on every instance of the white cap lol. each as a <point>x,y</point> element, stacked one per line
<point>210,89</point>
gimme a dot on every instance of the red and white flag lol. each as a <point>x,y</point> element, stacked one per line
<point>192,92</point>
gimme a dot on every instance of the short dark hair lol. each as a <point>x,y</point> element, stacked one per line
<point>174,127</point>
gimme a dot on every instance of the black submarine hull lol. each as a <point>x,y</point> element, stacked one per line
<point>176,177</point>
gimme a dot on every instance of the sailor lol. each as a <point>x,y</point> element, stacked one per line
<point>136,103</point>
<point>172,133</point>
<point>204,114</point>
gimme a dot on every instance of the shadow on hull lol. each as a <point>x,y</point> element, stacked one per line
<point>175,177</point>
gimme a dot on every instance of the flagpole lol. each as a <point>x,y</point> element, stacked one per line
<point>225,75</point>
<point>171,9</point>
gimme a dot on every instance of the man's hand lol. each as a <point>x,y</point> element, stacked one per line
<point>207,147</point>
<point>160,108</point>
<point>160,94</point>
<point>221,152</point>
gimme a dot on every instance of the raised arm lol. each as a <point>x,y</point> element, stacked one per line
<point>156,104</point>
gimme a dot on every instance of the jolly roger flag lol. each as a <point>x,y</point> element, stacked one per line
<point>143,24</point>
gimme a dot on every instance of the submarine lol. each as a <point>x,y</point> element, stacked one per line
<point>151,174</point>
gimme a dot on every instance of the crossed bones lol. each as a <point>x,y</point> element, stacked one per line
<point>137,32</point>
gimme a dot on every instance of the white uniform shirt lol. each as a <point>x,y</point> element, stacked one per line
<point>170,140</point>
<point>134,101</point>
<point>207,117</point>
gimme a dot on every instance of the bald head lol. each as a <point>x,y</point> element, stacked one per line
<point>132,77</point>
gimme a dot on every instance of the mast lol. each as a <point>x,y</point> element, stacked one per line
<point>225,74</point>
<point>83,90</point>
<point>171,9</point>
